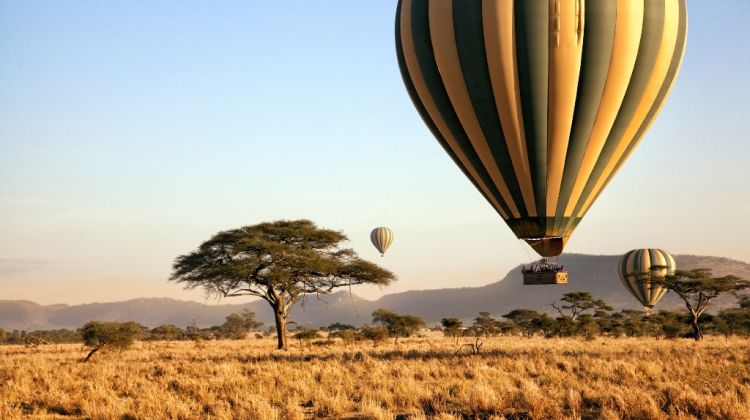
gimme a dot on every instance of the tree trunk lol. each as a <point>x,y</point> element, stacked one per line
<point>697,333</point>
<point>96,349</point>
<point>280,318</point>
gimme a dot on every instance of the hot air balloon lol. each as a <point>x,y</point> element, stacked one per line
<point>540,102</point>
<point>639,268</point>
<point>382,238</point>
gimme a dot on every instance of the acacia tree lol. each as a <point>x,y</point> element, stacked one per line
<point>733,321</point>
<point>530,321</point>
<point>486,325</point>
<point>632,322</point>
<point>578,303</point>
<point>397,325</point>
<point>697,288</point>
<point>167,332</point>
<point>237,325</point>
<point>452,327</point>
<point>279,262</point>
<point>669,324</point>
<point>113,334</point>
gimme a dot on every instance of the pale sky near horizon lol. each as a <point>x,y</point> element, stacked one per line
<point>130,132</point>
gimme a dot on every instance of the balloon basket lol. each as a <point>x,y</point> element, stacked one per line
<point>535,279</point>
<point>543,273</point>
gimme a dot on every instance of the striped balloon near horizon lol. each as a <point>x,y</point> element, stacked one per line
<point>639,267</point>
<point>382,238</point>
<point>539,102</point>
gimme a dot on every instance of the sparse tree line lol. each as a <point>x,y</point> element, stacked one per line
<point>386,324</point>
<point>602,323</point>
<point>577,314</point>
<point>122,334</point>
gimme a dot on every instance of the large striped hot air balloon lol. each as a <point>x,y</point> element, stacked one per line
<point>639,268</point>
<point>382,238</point>
<point>540,102</point>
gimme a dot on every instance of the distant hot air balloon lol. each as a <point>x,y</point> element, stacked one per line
<point>382,238</point>
<point>639,268</point>
<point>540,102</point>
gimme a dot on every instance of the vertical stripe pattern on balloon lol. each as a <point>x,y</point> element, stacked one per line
<point>540,102</point>
<point>381,238</point>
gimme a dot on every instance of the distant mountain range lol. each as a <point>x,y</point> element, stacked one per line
<point>593,273</point>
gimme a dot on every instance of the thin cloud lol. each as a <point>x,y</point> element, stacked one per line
<point>10,266</point>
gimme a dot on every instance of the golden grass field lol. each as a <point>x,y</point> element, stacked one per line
<point>514,378</point>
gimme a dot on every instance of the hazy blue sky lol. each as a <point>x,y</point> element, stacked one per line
<point>132,131</point>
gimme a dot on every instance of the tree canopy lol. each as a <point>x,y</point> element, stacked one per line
<point>397,325</point>
<point>452,327</point>
<point>576,303</point>
<point>237,325</point>
<point>114,334</point>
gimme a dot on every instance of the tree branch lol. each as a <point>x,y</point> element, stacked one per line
<point>558,309</point>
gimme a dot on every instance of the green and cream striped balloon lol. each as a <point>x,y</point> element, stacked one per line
<point>639,267</point>
<point>382,238</point>
<point>540,102</point>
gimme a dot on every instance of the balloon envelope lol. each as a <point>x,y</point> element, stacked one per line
<point>539,102</point>
<point>640,267</point>
<point>382,238</point>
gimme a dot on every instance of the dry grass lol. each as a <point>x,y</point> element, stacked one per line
<point>514,378</point>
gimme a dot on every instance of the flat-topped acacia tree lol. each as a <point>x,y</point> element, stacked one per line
<point>697,288</point>
<point>276,261</point>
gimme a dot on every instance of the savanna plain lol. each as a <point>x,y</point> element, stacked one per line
<point>427,377</point>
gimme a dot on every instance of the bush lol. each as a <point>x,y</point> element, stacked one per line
<point>346,336</point>
<point>305,334</point>
<point>167,332</point>
<point>374,334</point>
<point>338,326</point>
